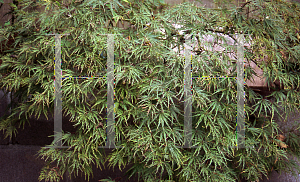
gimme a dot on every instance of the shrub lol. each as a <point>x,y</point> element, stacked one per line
<point>149,86</point>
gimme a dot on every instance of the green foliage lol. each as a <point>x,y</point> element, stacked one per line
<point>108,180</point>
<point>149,86</point>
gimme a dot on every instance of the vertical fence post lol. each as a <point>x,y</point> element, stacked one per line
<point>110,93</point>
<point>187,94</point>
<point>240,94</point>
<point>58,93</point>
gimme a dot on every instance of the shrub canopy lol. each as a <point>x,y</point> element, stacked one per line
<point>149,85</point>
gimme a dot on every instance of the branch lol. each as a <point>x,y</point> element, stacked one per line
<point>217,31</point>
<point>245,4</point>
<point>251,11</point>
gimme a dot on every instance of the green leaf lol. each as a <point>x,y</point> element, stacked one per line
<point>57,3</point>
<point>13,5</point>
<point>7,23</point>
<point>107,180</point>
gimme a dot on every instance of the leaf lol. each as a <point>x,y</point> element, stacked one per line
<point>281,138</point>
<point>13,5</point>
<point>7,23</point>
<point>57,3</point>
<point>107,180</point>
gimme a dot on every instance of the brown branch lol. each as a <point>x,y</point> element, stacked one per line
<point>251,11</point>
<point>245,4</point>
<point>217,31</point>
<point>100,124</point>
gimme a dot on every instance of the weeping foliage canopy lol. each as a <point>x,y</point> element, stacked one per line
<point>149,85</point>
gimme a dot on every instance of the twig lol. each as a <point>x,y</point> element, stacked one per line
<point>100,124</point>
<point>250,12</point>
<point>245,4</point>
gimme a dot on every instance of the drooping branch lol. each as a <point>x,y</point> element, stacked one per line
<point>243,5</point>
